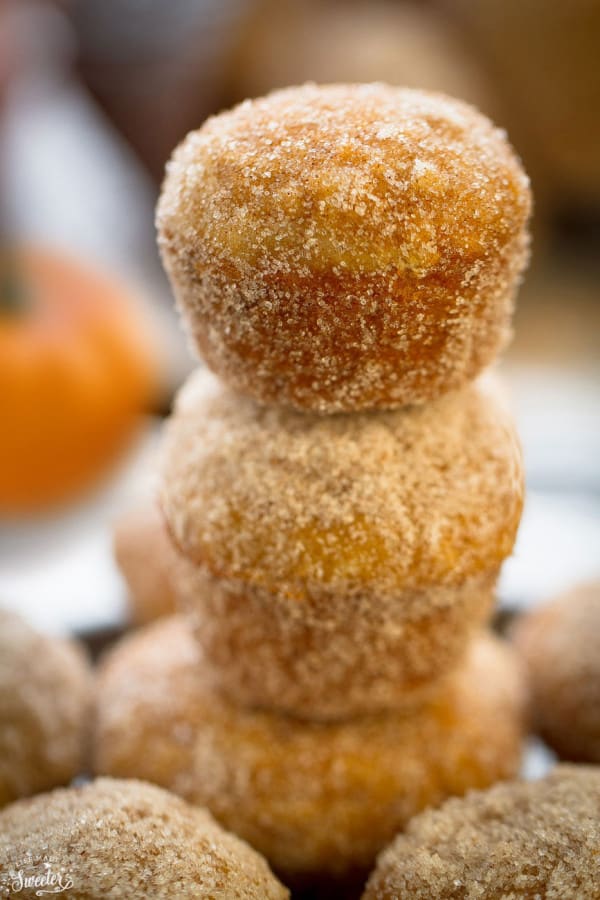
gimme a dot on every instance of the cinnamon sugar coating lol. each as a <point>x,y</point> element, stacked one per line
<point>369,506</point>
<point>314,798</point>
<point>346,247</point>
<point>335,657</point>
<point>146,558</point>
<point>517,840</point>
<point>115,839</point>
<point>45,702</point>
<point>560,646</point>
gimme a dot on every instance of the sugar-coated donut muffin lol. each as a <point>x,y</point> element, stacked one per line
<point>367,506</point>
<point>334,657</point>
<point>346,247</point>
<point>113,839</point>
<point>314,798</point>
<point>530,840</point>
<point>45,702</point>
<point>146,557</point>
<point>560,646</point>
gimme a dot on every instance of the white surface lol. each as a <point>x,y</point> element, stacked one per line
<point>538,760</point>
<point>60,574</point>
<point>558,417</point>
<point>558,546</point>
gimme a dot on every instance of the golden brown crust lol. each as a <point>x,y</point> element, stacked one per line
<point>146,558</point>
<point>113,839</point>
<point>314,798</point>
<point>346,247</point>
<point>517,840</point>
<point>560,646</point>
<point>373,505</point>
<point>335,657</point>
<point>45,696</point>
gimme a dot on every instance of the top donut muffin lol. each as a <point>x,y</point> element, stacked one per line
<point>346,247</point>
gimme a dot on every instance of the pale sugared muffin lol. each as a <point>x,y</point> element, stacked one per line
<point>518,840</point>
<point>355,552</point>
<point>146,557</point>
<point>45,701</point>
<point>114,839</point>
<point>560,646</point>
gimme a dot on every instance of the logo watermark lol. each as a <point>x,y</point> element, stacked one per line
<point>42,878</point>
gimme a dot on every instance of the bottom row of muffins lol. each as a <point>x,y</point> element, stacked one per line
<point>312,797</point>
<point>318,800</point>
<point>125,838</point>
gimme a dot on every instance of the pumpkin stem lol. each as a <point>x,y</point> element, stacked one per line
<point>13,294</point>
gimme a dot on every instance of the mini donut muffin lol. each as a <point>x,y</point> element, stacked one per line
<point>146,557</point>
<point>314,798</point>
<point>45,700</point>
<point>115,839</point>
<point>264,651</point>
<point>560,646</point>
<point>521,839</point>
<point>359,550</point>
<point>346,247</point>
<point>372,504</point>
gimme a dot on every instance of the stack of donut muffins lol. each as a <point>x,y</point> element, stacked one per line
<point>342,496</point>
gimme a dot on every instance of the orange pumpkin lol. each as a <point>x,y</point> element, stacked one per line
<point>77,368</point>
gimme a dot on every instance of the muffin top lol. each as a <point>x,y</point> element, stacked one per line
<point>518,839</point>
<point>125,838</point>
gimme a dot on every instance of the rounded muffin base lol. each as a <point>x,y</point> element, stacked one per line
<point>330,657</point>
<point>316,799</point>
<point>45,706</point>
<point>524,839</point>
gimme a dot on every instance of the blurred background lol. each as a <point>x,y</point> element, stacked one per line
<point>93,97</point>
